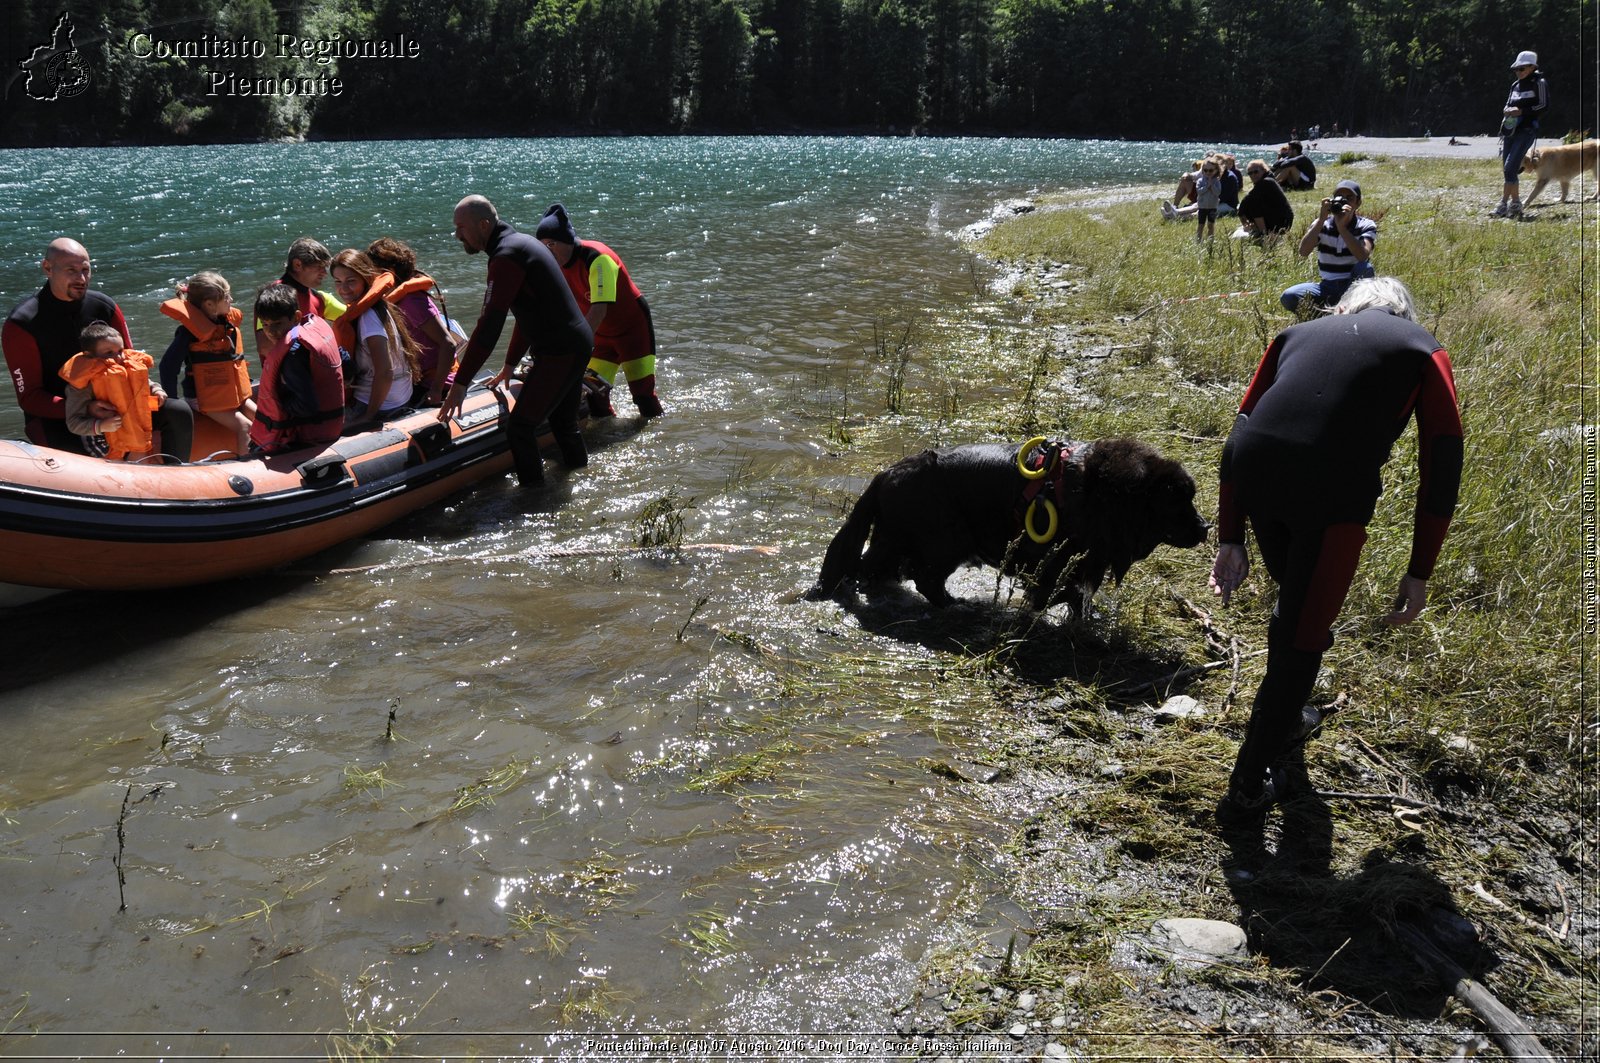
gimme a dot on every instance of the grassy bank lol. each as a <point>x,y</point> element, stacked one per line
<point>1497,658</point>
<point>1108,321</point>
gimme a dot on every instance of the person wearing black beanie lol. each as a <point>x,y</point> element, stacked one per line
<point>624,334</point>
<point>555,225</point>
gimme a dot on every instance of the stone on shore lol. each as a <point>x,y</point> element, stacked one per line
<point>1202,941</point>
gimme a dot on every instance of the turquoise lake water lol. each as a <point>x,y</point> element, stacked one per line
<point>544,849</point>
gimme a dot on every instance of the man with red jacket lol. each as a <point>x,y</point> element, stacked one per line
<point>624,335</point>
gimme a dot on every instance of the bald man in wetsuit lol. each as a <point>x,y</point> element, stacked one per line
<point>41,334</point>
<point>1304,465</point>
<point>525,281</point>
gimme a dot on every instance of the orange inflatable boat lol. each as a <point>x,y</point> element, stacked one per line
<point>72,521</point>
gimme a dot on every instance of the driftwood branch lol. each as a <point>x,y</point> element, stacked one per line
<point>1216,639</point>
<point>1377,758</point>
<point>1534,924</point>
<point>1393,799</point>
<point>1219,642</point>
<point>1172,677</point>
<point>1513,1036</point>
<point>1232,696</point>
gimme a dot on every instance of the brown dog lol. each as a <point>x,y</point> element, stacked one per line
<point>1116,500</point>
<point>1563,163</point>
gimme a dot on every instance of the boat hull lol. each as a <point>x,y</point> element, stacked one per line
<point>74,522</point>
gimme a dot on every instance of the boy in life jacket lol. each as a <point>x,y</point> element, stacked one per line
<point>210,347</point>
<point>305,267</point>
<point>115,407</point>
<point>301,399</point>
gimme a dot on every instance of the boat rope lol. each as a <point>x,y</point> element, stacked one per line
<point>38,457</point>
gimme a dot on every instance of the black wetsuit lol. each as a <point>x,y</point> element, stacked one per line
<point>526,282</point>
<point>1304,463</point>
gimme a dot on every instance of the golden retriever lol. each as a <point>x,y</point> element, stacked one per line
<point>1563,163</point>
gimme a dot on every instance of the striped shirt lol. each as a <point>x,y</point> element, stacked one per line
<point>1335,260</point>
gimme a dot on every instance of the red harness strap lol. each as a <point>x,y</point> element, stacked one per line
<point>1054,457</point>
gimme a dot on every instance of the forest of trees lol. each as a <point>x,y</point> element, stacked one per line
<point>1142,69</point>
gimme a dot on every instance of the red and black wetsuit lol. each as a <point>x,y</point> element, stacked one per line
<point>525,281</point>
<point>1304,463</point>
<point>626,339</point>
<point>38,338</point>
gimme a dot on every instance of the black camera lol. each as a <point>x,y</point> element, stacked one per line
<point>1337,204</point>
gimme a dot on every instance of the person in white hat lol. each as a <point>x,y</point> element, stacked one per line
<point>1529,98</point>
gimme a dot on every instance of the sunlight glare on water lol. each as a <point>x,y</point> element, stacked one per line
<point>616,792</point>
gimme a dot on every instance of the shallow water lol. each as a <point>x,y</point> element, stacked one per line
<point>550,846</point>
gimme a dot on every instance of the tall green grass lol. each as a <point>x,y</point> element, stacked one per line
<point>1496,656</point>
<point>1478,706</point>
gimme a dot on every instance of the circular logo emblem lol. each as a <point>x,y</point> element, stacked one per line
<point>67,74</point>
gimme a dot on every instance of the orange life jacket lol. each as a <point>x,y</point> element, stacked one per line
<point>344,329</point>
<point>216,356</point>
<point>419,282</point>
<point>125,386</point>
<point>276,428</point>
<point>428,350</point>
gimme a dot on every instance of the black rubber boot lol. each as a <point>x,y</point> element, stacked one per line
<point>644,396</point>
<point>524,442</point>
<point>574,455</point>
<point>1245,805</point>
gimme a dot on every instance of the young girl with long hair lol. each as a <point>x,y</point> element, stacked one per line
<point>383,354</point>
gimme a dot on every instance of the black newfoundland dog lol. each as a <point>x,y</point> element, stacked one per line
<point>1115,501</point>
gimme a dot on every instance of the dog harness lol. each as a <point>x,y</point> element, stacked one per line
<point>1047,466</point>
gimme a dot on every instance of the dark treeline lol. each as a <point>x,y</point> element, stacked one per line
<point>1087,68</point>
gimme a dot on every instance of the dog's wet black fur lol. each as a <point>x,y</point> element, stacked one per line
<point>933,512</point>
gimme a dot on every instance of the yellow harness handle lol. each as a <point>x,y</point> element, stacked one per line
<point>1051,526</point>
<point>1022,460</point>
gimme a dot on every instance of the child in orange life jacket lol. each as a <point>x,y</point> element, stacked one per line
<point>112,403</point>
<point>208,344</point>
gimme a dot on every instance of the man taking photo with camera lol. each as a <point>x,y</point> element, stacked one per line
<point>1343,241</point>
